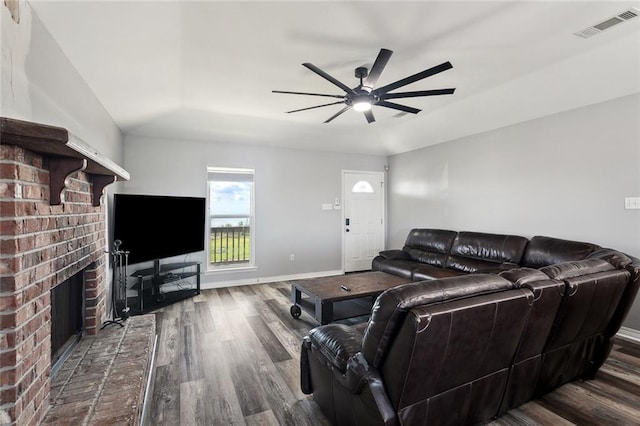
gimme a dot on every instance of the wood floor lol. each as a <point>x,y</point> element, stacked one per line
<point>230,356</point>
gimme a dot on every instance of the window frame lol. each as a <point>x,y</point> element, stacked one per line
<point>251,265</point>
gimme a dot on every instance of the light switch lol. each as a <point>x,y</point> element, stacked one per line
<point>327,206</point>
<point>632,203</point>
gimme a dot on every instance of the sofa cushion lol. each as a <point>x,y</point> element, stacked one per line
<point>429,272</point>
<point>391,306</point>
<point>473,251</point>
<point>429,246</point>
<point>542,251</point>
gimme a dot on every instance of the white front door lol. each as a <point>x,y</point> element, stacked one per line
<point>362,219</point>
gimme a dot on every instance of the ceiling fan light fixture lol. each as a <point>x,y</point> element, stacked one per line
<point>362,106</point>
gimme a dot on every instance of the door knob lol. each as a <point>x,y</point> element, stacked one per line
<point>347,229</point>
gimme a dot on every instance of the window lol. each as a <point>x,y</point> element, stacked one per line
<point>231,218</point>
<point>362,186</point>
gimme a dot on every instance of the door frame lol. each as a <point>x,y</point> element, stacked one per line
<point>384,209</point>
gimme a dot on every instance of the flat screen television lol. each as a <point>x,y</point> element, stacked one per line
<point>155,227</point>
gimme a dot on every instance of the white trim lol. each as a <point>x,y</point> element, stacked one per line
<point>261,280</point>
<point>629,334</point>
<point>231,269</point>
<point>252,221</point>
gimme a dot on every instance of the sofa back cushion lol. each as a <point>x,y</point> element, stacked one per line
<point>632,265</point>
<point>429,246</point>
<point>593,291</point>
<point>450,361</point>
<point>392,306</point>
<point>548,296</point>
<point>473,251</point>
<point>543,251</point>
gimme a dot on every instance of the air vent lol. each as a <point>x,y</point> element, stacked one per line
<point>608,23</point>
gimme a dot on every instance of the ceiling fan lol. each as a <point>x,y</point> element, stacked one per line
<point>364,96</point>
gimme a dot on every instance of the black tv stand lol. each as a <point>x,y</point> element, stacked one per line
<point>151,282</point>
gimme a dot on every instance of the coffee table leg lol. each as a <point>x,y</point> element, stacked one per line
<point>296,295</point>
<point>324,312</point>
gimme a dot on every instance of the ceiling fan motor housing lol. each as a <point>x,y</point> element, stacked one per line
<point>361,72</point>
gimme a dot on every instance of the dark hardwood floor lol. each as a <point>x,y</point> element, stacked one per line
<point>230,356</point>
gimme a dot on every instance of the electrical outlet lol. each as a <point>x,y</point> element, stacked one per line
<point>632,203</point>
<point>292,257</point>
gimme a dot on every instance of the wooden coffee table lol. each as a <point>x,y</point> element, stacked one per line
<point>330,299</point>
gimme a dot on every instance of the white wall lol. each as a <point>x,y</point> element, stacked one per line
<point>564,175</point>
<point>290,187</point>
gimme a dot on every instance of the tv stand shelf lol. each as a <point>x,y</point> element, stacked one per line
<point>151,282</point>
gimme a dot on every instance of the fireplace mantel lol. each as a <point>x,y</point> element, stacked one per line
<point>66,153</point>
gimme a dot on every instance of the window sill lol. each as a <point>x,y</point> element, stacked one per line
<point>236,269</point>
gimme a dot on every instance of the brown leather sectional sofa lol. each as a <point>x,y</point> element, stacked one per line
<point>490,322</point>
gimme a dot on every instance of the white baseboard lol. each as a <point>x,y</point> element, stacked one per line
<point>629,334</point>
<point>262,280</point>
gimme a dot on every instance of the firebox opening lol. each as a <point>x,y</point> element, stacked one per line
<point>67,318</point>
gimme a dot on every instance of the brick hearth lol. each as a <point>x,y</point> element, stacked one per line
<point>104,380</point>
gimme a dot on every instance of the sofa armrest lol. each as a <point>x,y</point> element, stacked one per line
<point>360,374</point>
<point>395,254</point>
<point>337,343</point>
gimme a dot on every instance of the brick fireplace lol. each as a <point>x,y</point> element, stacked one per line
<point>52,227</point>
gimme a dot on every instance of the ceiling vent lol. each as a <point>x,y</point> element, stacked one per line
<point>608,23</point>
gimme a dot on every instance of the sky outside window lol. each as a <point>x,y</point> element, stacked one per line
<point>230,198</point>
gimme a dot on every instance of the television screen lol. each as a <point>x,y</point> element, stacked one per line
<point>156,227</point>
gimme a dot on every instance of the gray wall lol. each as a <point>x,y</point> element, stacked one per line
<point>40,84</point>
<point>290,187</point>
<point>564,175</point>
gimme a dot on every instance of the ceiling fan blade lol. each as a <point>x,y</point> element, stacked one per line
<point>305,93</point>
<point>313,107</point>
<point>378,66</point>
<point>338,113</point>
<point>369,116</point>
<point>399,95</point>
<point>399,107</point>
<point>328,77</point>
<point>413,78</point>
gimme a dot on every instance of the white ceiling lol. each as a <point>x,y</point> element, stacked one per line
<point>205,69</point>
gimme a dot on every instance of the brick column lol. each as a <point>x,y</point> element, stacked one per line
<point>95,294</point>
<point>40,247</point>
